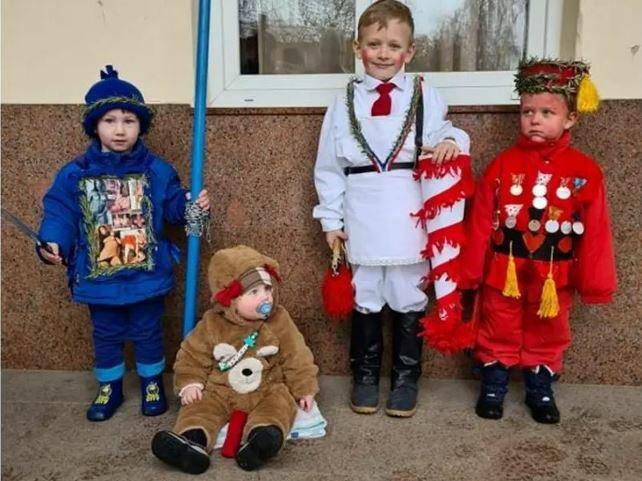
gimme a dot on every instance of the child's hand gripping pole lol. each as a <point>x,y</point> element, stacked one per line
<point>337,290</point>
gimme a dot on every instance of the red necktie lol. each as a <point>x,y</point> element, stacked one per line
<point>382,105</point>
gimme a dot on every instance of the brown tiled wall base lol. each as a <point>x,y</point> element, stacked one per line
<point>259,174</point>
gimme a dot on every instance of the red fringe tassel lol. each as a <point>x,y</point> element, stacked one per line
<point>337,292</point>
<point>451,268</point>
<point>432,207</point>
<point>428,170</point>
<point>453,235</point>
<point>444,329</point>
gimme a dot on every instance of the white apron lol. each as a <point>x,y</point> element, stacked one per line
<point>377,206</point>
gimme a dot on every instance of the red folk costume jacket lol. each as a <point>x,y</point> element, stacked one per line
<point>571,223</point>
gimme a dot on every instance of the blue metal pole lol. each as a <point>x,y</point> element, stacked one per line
<point>198,153</point>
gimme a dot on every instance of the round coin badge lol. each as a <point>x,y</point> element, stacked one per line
<point>566,227</point>
<point>511,222</point>
<point>534,225</point>
<point>540,202</point>
<point>551,226</point>
<point>516,190</point>
<point>563,193</point>
<point>539,190</point>
<point>578,227</point>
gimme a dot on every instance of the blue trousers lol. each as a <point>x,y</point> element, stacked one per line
<point>139,323</point>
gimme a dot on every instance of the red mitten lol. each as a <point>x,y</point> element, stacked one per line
<point>234,434</point>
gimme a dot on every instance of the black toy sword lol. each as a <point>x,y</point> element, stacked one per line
<point>28,231</point>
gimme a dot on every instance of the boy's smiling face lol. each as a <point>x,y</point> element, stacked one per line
<point>118,130</point>
<point>385,50</point>
<point>545,116</point>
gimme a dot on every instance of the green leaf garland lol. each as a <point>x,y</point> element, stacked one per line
<point>357,133</point>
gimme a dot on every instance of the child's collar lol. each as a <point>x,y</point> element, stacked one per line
<point>545,150</point>
<point>138,150</point>
<point>400,80</point>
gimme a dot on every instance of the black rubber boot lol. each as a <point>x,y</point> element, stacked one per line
<point>184,452</point>
<point>494,386</point>
<point>262,444</point>
<point>539,395</point>
<point>406,364</point>
<point>366,343</point>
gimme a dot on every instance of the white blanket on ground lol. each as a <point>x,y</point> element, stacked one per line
<point>306,426</point>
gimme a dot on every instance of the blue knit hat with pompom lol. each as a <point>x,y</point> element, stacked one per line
<point>109,93</point>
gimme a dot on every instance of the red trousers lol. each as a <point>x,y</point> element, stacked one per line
<point>511,332</point>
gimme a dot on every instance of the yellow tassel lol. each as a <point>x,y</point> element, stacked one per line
<point>549,305</point>
<point>588,100</point>
<point>511,288</point>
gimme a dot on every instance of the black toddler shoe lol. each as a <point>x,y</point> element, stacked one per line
<point>262,444</point>
<point>494,386</point>
<point>180,452</point>
<point>539,395</point>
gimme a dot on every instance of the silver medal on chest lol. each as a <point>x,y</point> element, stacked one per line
<point>551,226</point>
<point>578,227</point>
<point>563,192</point>
<point>539,190</point>
<point>511,222</point>
<point>512,210</point>
<point>540,202</point>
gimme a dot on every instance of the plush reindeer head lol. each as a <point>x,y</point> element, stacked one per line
<point>245,375</point>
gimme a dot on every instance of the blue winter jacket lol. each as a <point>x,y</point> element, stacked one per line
<point>106,212</point>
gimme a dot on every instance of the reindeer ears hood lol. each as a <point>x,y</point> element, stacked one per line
<point>231,269</point>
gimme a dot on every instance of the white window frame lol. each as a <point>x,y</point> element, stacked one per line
<point>227,88</point>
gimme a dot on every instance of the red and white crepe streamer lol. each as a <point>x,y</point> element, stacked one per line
<point>445,188</point>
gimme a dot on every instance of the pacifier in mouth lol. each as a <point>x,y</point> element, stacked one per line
<point>264,308</point>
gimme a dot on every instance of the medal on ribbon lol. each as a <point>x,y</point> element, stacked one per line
<point>516,188</point>
<point>511,214</point>
<point>563,192</point>
<point>540,189</point>
<point>552,225</point>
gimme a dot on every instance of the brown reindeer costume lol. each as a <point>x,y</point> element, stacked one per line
<point>260,367</point>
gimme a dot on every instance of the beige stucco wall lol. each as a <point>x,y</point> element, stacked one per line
<point>52,49</point>
<point>609,35</point>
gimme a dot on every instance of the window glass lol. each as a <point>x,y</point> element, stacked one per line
<point>468,35</point>
<point>296,36</point>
